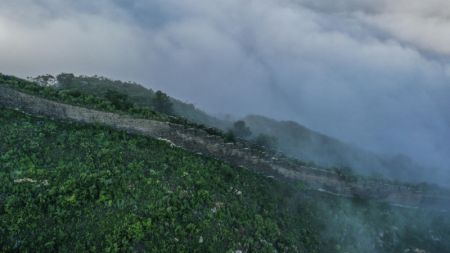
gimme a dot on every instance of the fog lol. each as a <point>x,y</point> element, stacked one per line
<point>371,73</point>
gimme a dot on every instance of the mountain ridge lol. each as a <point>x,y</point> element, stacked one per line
<point>74,160</point>
<point>238,154</point>
<point>304,143</point>
<point>294,139</point>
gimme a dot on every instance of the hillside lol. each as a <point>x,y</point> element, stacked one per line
<point>214,144</point>
<point>118,191</point>
<point>138,94</point>
<point>121,192</point>
<point>292,138</point>
<point>68,187</point>
<point>303,143</point>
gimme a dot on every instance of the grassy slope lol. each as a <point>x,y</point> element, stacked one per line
<point>138,94</point>
<point>82,91</point>
<point>293,139</point>
<point>69,187</point>
<point>87,188</point>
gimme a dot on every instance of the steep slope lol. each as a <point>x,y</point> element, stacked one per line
<point>81,188</point>
<point>137,93</point>
<point>294,139</point>
<point>303,143</point>
<point>77,187</point>
<point>237,154</point>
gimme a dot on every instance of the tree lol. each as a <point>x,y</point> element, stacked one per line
<point>118,100</point>
<point>229,136</point>
<point>65,78</point>
<point>266,141</point>
<point>241,130</point>
<point>162,103</point>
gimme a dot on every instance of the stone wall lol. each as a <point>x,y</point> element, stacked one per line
<point>237,154</point>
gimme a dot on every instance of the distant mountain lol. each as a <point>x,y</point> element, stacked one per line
<point>303,143</point>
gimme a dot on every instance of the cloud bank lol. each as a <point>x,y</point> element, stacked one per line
<point>373,73</point>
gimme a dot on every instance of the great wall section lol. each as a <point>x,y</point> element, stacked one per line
<point>237,154</point>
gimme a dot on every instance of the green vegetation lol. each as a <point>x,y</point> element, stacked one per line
<point>229,136</point>
<point>346,174</point>
<point>162,103</point>
<point>240,130</point>
<point>265,141</point>
<point>138,95</point>
<point>361,226</point>
<point>84,188</point>
<point>78,188</point>
<point>118,100</point>
<point>88,92</point>
<point>67,187</point>
<point>300,142</point>
<point>111,100</point>
<point>261,141</point>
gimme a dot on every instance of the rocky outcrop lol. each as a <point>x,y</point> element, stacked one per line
<point>237,154</point>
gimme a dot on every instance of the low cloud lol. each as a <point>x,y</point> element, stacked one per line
<point>373,73</point>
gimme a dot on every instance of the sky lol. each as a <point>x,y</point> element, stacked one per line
<point>374,73</point>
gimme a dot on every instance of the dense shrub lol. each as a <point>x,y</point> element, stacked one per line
<point>162,103</point>
<point>79,188</point>
<point>109,100</point>
<point>241,130</point>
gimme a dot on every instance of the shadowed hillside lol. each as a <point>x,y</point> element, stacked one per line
<point>70,187</point>
<point>303,143</point>
<point>292,138</point>
<point>84,187</point>
<point>138,94</point>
